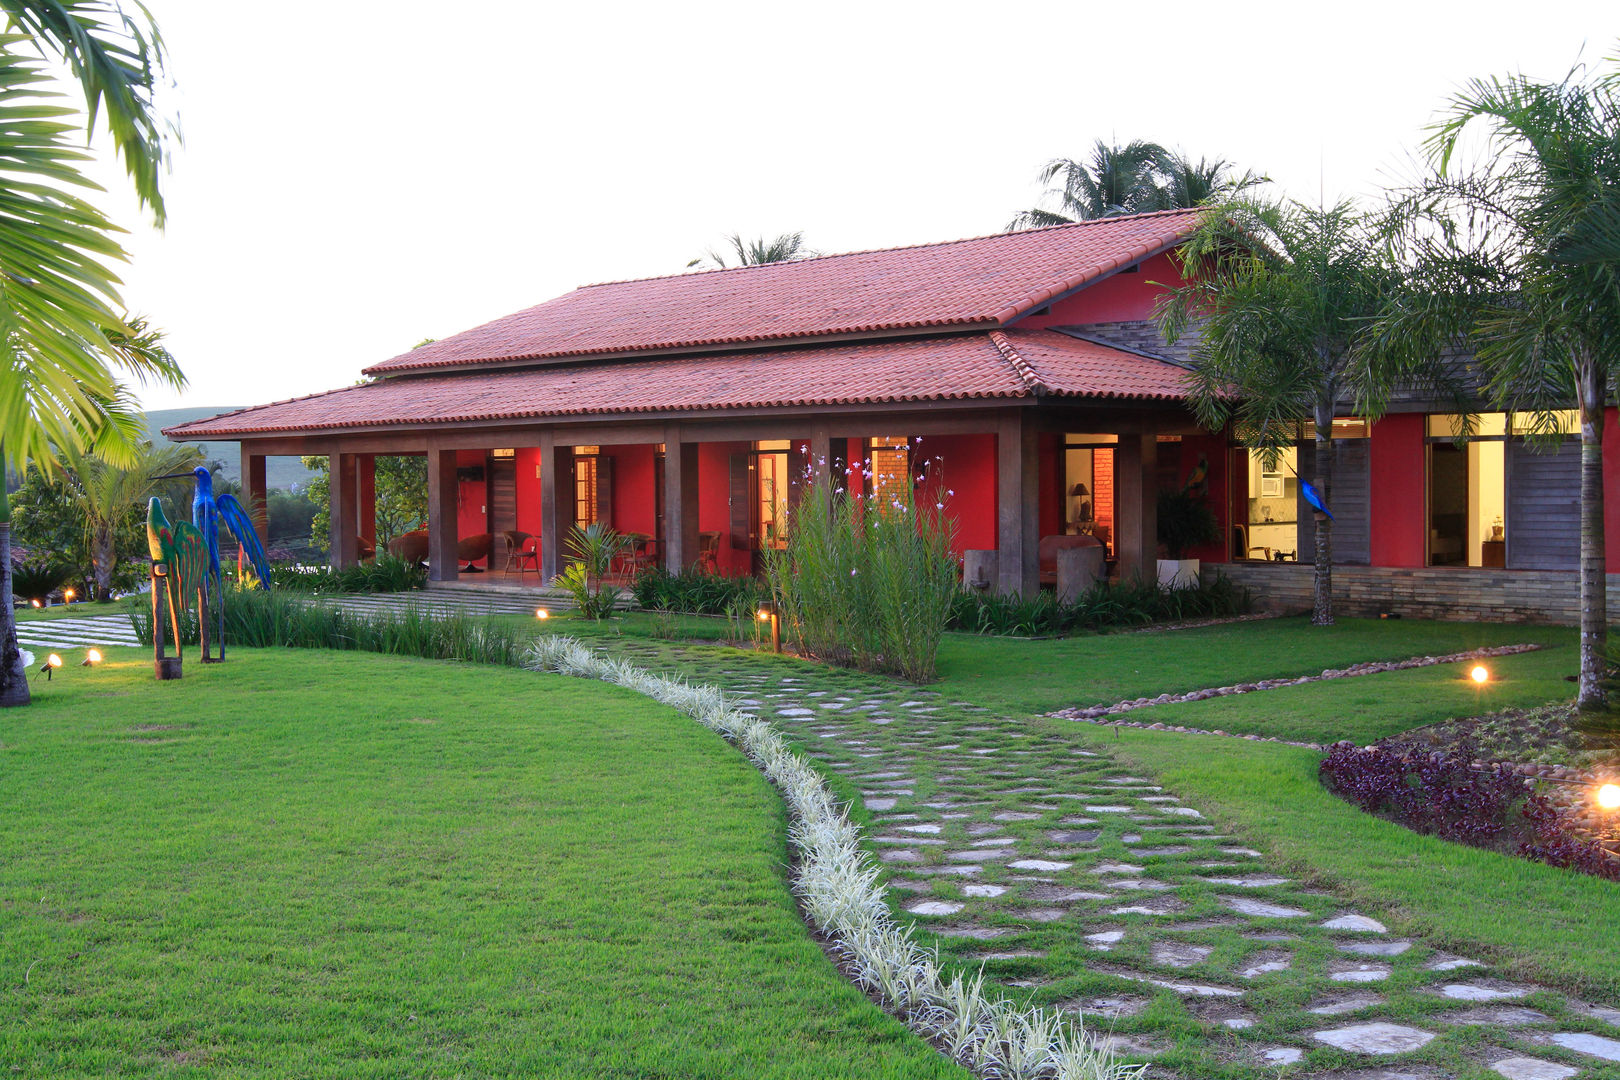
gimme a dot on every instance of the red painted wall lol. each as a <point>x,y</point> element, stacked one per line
<point>1611,491</point>
<point>528,491</point>
<point>635,508</point>
<point>472,515</point>
<point>1113,299</point>
<point>714,505</point>
<point>1212,448</point>
<point>967,468</point>
<point>1397,491</point>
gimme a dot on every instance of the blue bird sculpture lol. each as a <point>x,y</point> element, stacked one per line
<point>1314,497</point>
<point>206,514</point>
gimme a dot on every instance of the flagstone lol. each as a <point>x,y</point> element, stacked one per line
<point>983,890</point>
<point>982,829</point>
<point>1074,836</point>
<point>976,854</point>
<point>1165,905</point>
<point>880,804</point>
<point>1583,1043</point>
<point>924,828</point>
<point>1356,922</point>
<point>1105,940</point>
<point>1259,881</point>
<point>1044,915</point>
<point>1260,908</point>
<point>1015,815</point>
<point>995,841</point>
<point>1281,1055</point>
<point>1250,852</point>
<point>1038,864</point>
<point>1476,992</point>
<point>935,907</point>
<point>903,856</point>
<point>1379,1038</point>
<point>1501,1015</point>
<point>1362,974</point>
<point>1186,989</point>
<point>1178,954</point>
<point>1063,894</point>
<point>1529,1068</point>
<point>1344,1003</point>
<point>1265,967</point>
<point>977,933</point>
<point>1443,962</point>
<point>1376,948</point>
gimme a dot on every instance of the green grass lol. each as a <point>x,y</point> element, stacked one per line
<point>1366,708</point>
<point>1025,677</point>
<point>75,610</point>
<point>320,864</point>
<point>1530,919</point>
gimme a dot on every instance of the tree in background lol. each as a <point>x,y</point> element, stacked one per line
<point>1131,179</point>
<point>111,501</point>
<point>1280,293</point>
<point>401,498</point>
<point>65,341</point>
<point>1515,262</point>
<point>785,247</point>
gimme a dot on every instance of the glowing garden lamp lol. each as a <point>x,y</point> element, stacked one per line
<point>36,603</point>
<point>767,614</point>
<point>67,596</point>
<point>52,662</point>
<point>542,614</point>
<point>92,657</point>
<point>1480,675</point>
<point>1608,797</point>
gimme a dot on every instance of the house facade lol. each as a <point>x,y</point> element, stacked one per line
<point>1017,378</point>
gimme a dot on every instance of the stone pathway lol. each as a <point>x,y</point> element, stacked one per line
<point>1101,894</point>
<point>100,631</point>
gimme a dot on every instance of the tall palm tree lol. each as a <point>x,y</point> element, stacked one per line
<point>106,494</point>
<point>784,247</point>
<point>63,343</point>
<point>1516,262</point>
<point>1184,183</point>
<point>1281,293</point>
<point>1114,180</point>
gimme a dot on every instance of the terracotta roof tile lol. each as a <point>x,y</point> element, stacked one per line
<point>1010,364</point>
<point>986,281</point>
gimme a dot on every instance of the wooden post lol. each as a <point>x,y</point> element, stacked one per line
<point>1017,506</point>
<point>442,525</point>
<point>681,543</point>
<point>556,503</point>
<point>343,479</point>
<point>821,460</point>
<point>254,493</point>
<point>1136,518</point>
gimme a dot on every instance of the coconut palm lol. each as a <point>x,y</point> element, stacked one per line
<point>785,247</point>
<point>107,494</point>
<point>1516,262</point>
<point>1114,180</point>
<point>63,343</point>
<point>1184,183</point>
<point>1280,293</point>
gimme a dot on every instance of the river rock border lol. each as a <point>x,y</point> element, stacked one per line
<point>840,887</point>
<point>1096,713</point>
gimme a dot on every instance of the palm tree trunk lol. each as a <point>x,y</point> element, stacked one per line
<point>13,676</point>
<point>104,557</point>
<point>1590,387</point>
<point>1322,595</point>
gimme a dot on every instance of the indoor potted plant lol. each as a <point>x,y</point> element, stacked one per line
<point>1185,521</point>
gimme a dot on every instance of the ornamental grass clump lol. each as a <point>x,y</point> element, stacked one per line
<point>866,581</point>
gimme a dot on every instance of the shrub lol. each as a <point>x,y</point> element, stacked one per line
<point>866,582</point>
<point>1445,795</point>
<point>694,591</point>
<point>1103,607</point>
<point>1185,521</point>
<point>37,579</point>
<point>595,546</point>
<point>385,573</point>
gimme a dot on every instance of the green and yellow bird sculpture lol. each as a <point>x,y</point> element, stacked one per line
<point>180,561</point>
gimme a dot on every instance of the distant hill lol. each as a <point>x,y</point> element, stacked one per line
<point>279,472</point>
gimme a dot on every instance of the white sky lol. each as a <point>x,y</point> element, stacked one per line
<point>357,177</point>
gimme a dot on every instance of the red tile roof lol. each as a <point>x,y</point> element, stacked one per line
<point>987,281</point>
<point>1000,364</point>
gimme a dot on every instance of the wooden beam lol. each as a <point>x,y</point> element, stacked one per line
<point>681,542</point>
<point>442,523</point>
<point>1017,506</point>
<point>556,503</point>
<point>1136,513</point>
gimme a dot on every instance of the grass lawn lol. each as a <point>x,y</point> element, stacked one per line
<point>1025,677</point>
<point>333,864</point>
<point>74,610</point>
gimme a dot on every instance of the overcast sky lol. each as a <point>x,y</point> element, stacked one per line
<point>357,177</point>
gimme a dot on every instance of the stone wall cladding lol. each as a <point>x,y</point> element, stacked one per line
<point>1463,594</point>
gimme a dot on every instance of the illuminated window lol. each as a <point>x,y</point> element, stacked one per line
<point>499,454</point>
<point>1564,422</point>
<point>891,466</point>
<point>1088,485</point>
<point>1467,491</point>
<point>1271,516</point>
<point>585,488</point>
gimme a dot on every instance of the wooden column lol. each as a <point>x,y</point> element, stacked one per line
<point>1136,507</point>
<point>365,510</point>
<point>254,493</point>
<point>1018,506</point>
<point>556,504</point>
<point>821,462</point>
<point>343,489</point>
<point>442,523</point>
<point>681,544</point>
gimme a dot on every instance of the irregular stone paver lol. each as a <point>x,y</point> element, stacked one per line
<point>1019,837</point>
<point>1472,992</point>
<point>1375,1038</point>
<point>1583,1043</point>
<point>1529,1068</point>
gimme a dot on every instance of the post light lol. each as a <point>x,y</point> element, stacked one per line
<point>67,596</point>
<point>1479,674</point>
<point>542,613</point>
<point>92,657</point>
<point>767,613</point>
<point>52,662</point>
<point>1608,797</point>
<point>36,603</point>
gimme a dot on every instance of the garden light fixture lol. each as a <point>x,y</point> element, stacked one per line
<point>1608,797</point>
<point>767,614</point>
<point>541,613</point>
<point>36,603</point>
<point>92,657</point>
<point>1480,675</point>
<point>67,596</point>
<point>52,662</point>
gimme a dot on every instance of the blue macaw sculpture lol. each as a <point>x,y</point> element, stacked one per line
<point>1314,497</point>
<point>206,514</point>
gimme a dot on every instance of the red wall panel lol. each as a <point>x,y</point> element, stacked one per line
<point>1396,480</point>
<point>1114,299</point>
<point>472,514</point>
<point>967,471</point>
<point>1211,450</point>
<point>714,504</point>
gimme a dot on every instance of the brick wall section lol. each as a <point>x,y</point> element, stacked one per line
<point>1532,596</point>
